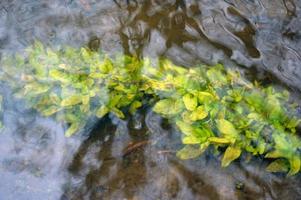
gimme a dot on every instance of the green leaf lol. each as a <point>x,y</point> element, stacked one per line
<point>134,106</point>
<point>35,88</point>
<point>168,107</point>
<point>293,122</point>
<point>274,154</point>
<point>85,55</point>
<point>102,111</point>
<point>286,146</point>
<point>191,140</point>
<point>226,128</point>
<point>261,147</point>
<point>84,108</point>
<point>86,99</point>
<point>189,152</point>
<point>231,154</point>
<point>199,114</point>
<point>190,101</point>
<point>192,85</point>
<point>295,164</point>
<point>236,95</point>
<point>256,100</point>
<point>118,113</point>
<point>279,165</point>
<point>218,140</point>
<point>204,132</point>
<point>107,66</point>
<point>168,65</point>
<point>255,116</point>
<point>114,99</point>
<point>186,117</point>
<point>205,97</point>
<point>97,75</point>
<point>216,76</point>
<point>72,129</point>
<point>72,100</point>
<point>50,111</point>
<point>185,128</point>
<point>59,76</point>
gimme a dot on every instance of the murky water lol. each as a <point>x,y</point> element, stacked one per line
<point>135,158</point>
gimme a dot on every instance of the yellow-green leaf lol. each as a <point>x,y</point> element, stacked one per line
<point>120,87</point>
<point>185,128</point>
<point>199,114</point>
<point>35,88</point>
<point>216,76</point>
<point>231,154</point>
<point>295,164</point>
<point>279,165</point>
<point>189,152</point>
<point>293,122</point>
<point>218,140</point>
<point>50,111</point>
<point>118,113</point>
<point>168,107</point>
<point>134,106</point>
<point>72,100</point>
<point>274,154</point>
<point>186,117</point>
<point>190,101</point>
<point>191,139</point>
<point>106,66</point>
<point>97,75</point>
<point>84,108</point>
<point>86,99</point>
<point>102,111</point>
<point>59,76</point>
<point>205,97</point>
<point>72,129</point>
<point>226,128</point>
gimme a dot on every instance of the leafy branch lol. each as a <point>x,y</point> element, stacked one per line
<point>210,105</point>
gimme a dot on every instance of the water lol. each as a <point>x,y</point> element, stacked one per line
<point>262,37</point>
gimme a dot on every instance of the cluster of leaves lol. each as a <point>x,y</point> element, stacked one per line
<point>211,106</point>
<point>74,84</point>
<point>214,106</point>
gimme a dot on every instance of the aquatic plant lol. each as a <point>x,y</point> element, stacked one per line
<point>210,105</point>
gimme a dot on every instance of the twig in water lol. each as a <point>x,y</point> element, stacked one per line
<point>132,147</point>
<point>166,151</point>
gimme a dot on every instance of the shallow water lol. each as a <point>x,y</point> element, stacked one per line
<point>262,37</point>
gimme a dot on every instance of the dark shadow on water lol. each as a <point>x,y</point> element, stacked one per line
<point>152,171</point>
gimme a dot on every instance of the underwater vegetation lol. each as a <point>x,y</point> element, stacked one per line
<point>210,105</point>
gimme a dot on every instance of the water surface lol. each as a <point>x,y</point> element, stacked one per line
<point>262,37</point>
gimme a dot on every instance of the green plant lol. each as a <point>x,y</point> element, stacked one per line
<point>210,105</point>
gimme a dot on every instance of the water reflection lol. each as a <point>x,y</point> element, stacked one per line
<point>38,162</point>
<point>101,171</point>
<point>257,34</point>
<point>33,158</point>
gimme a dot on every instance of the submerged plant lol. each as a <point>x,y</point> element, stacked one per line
<point>210,105</point>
